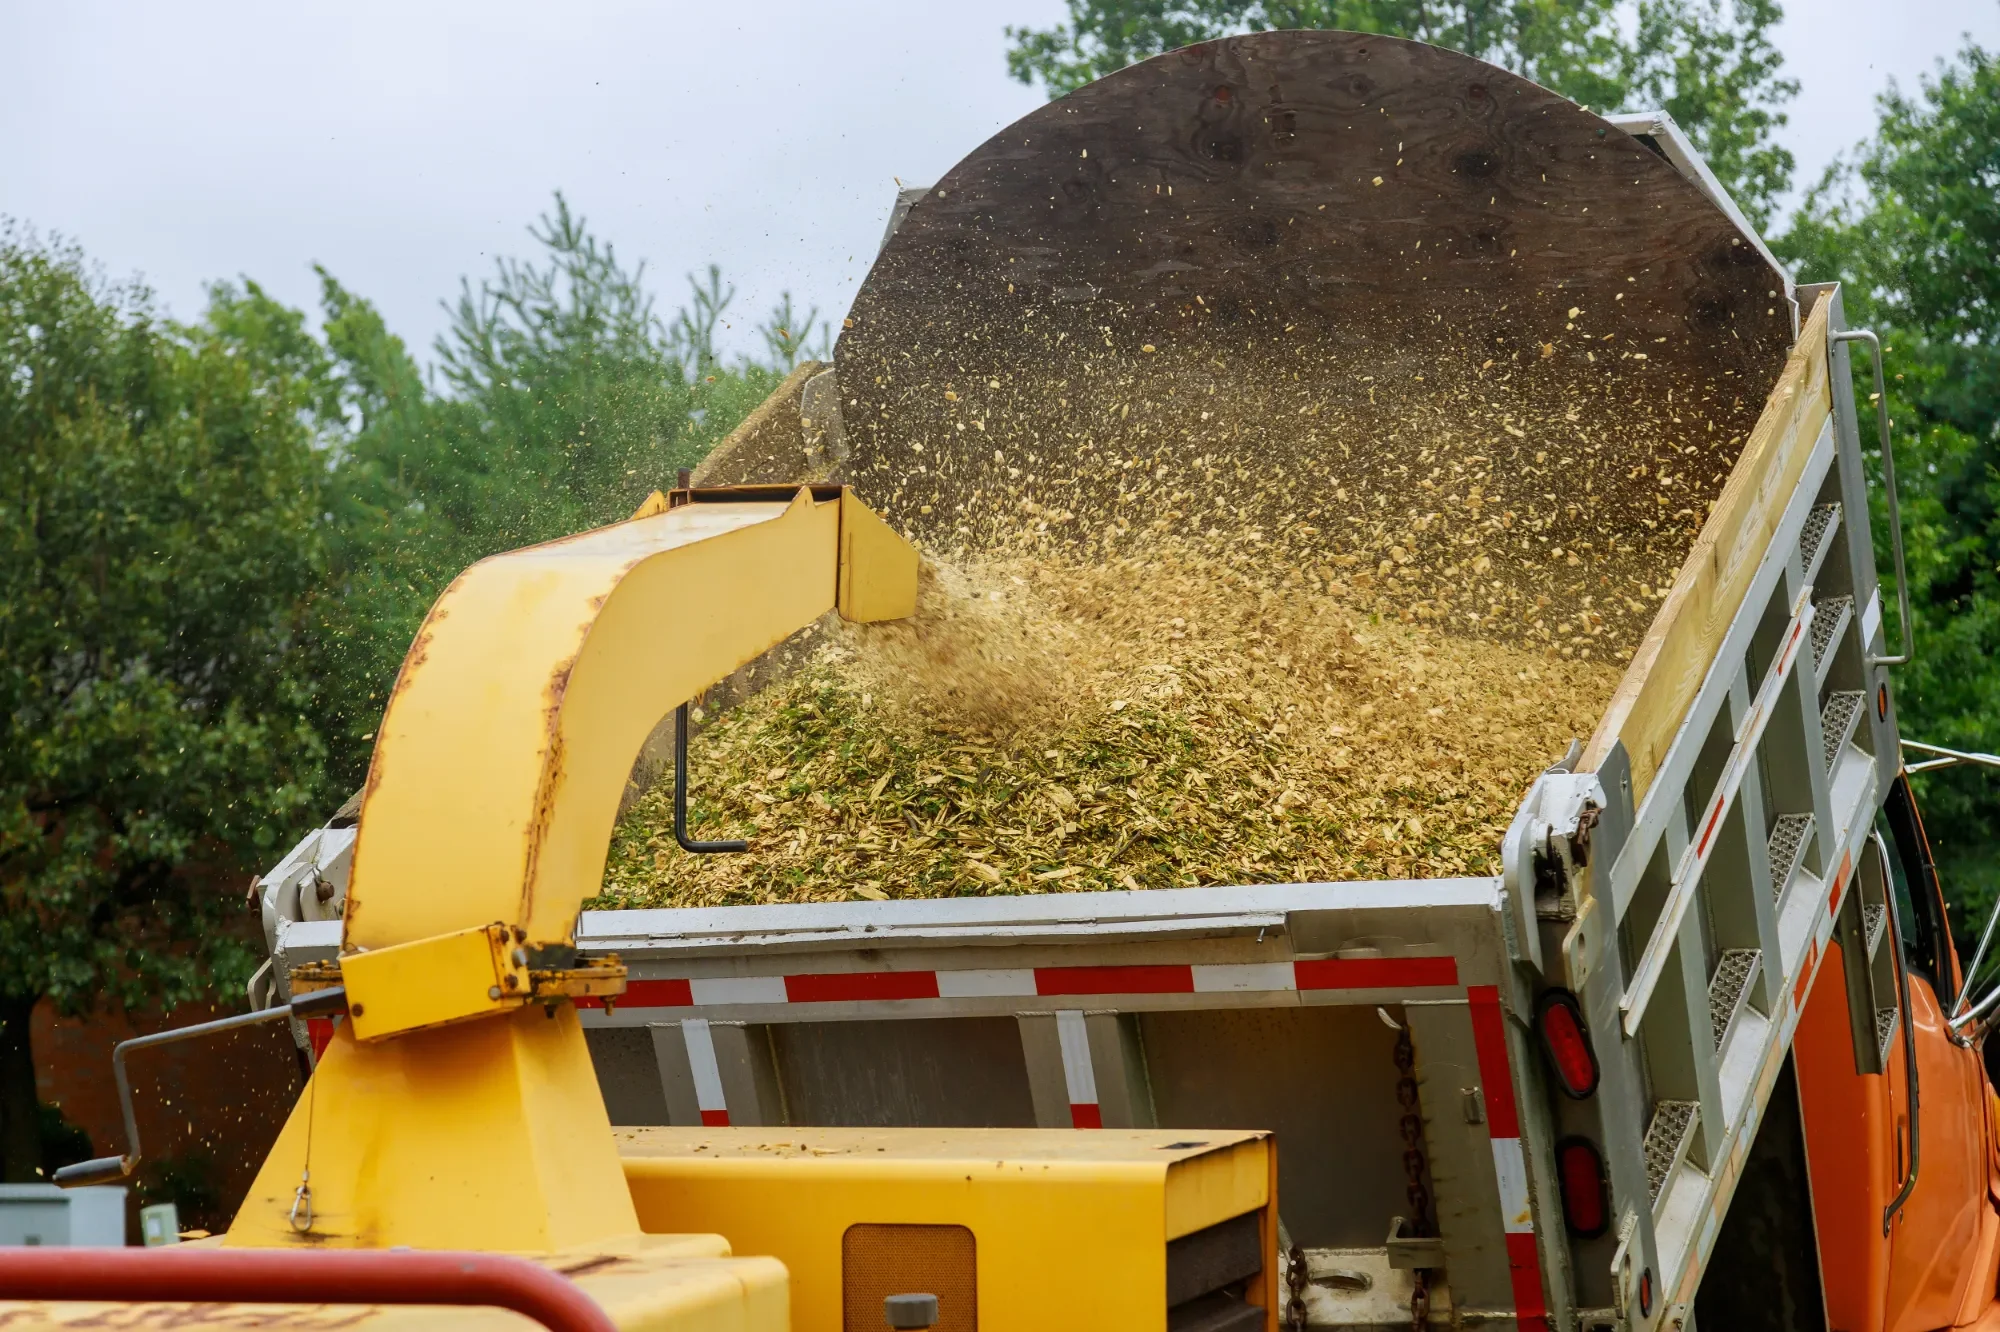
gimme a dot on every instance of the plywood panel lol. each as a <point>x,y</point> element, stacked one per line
<point>1341,301</point>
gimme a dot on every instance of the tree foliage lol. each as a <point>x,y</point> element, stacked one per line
<point>564,398</point>
<point>1710,63</point>
<point>217,542</point>
<point>1911,225</point>
<point>160,532</point>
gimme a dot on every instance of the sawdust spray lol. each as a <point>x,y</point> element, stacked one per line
<point>1117,685</point>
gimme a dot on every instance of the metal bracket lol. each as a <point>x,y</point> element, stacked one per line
<point>1583,945</point>
<point>452,977</point>
<point>1548,841</point>
<point>1413,1252</point>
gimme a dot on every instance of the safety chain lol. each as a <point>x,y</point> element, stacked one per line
<point>1296,1277</point>
<point>1414,1187</point>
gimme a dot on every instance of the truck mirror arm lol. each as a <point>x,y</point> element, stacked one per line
<point>1961,1016</point>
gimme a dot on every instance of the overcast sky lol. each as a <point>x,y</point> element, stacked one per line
<point>403,145</point>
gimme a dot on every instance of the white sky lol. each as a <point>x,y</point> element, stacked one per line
<point>403,145</point>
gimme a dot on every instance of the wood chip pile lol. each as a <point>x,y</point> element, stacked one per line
<point>1170,717</point>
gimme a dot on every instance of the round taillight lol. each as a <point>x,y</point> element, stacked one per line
<point>1646,1293</point>
<point>1566,1042</point>
<point>1586,1204</point>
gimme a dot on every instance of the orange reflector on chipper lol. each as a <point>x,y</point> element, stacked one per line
<point>1580,1168</point>
<point>1566,1041</point>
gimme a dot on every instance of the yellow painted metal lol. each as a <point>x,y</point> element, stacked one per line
<point>680,1283</point>
<point>878,569</point>
<point>484,825</point>
<point>539,673</point>
<point>429,982</point>
<point>483,1135</point>
<point>537,676</point>
<point>1062,1220</point>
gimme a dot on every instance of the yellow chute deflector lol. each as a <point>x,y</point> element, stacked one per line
<point>484,826</point>
<point>524,702</point>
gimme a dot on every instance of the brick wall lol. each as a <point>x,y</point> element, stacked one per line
<point>208,1109</point>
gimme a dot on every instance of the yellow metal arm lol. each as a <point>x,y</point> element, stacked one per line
<point>484,826</point>
<point>524,702</point>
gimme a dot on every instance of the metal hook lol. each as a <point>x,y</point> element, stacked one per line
<point>302,1200</point>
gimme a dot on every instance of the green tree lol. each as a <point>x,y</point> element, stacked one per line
<point>1709,62</point>
<point>790,337</point>
<point>159,531</point>
<point>561,399</point>
<point>1911,225</point>
<point>563,375</point>
<point>217,540</point>
<point>1712,66</point>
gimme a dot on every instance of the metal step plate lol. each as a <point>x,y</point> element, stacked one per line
<point>1790,836</point>
<point>1830,619</point>
<point>1836,723</point>
<point>1817,537</point>
<point>1667,1139</point>
<point>1728,988</point>
<point>1875,920</point>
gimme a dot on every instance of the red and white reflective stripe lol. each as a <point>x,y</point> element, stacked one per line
<point>1510,1167</point>
<point>1333,973</point>
<point>1078,1075</point>
<point>707,1072</point>
<point>1072,1033</point>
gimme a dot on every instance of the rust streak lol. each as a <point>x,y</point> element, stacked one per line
<point>548,788</point>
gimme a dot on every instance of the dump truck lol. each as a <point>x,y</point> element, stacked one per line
<point>1702,1049</point>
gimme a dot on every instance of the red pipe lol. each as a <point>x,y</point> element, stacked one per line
<point>285,1276</point>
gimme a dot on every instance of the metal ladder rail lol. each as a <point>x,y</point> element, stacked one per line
<point>1713,932</point>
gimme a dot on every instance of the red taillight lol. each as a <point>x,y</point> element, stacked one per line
<point>1581,1170</point>
<point>1567,1043</point>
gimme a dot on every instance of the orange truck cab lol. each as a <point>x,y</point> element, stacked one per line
<point>1905,1172</point>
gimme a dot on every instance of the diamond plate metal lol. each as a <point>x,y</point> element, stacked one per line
<point>1787,846</point>
<point>1836,723</point>
<point>1734,971</point>
<point>1667,1138</point>
<point>1828,616</point>
<point>1885,1032</point>
<point>1819,524</point>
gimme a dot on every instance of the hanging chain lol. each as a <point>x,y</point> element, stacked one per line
<point>1418,1192</point>
<point>1296,1277</point>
